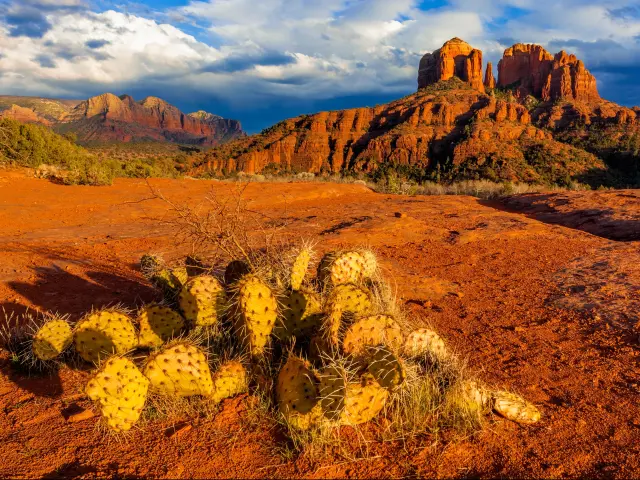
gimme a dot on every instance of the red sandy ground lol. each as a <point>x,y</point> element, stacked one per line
<point>541,309</point>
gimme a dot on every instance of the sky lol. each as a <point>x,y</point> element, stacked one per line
<point>261,61</point>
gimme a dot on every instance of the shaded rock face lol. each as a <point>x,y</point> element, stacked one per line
<point>108,117</point>
<point>456,58</point>
<point>534,71</point>
<point>24,115</point>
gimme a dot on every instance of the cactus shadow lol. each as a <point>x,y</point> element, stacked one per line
<point>71,470</point>
<point>45,383</point>
<point>58,290</point>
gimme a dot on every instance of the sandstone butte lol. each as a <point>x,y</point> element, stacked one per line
<point>155,117</point>
<point>452,124</point>
<point>23,115</point>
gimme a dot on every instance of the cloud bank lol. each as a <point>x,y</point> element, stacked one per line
<point>247,56</point>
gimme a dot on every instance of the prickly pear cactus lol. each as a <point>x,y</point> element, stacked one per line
<point>297,394</point>
<point>235,271</point>
<point>299,268</point>
<point>514,407</point>
<point>150,264</point>
<point>473,397</point>
<point>370,332</point>
<point>203,301</point>
<point>179,369</point>
<point>385,367</point>
<point>229,380</point>
<point>256,312</point>
<point>104,333</point>
<point>180,277</point>
<point>370,263</point>
<point>321,349</point>
<point>52,339</point>
<point>332,324</point>
<point>338,268</point>
<point>351,299</point>
<point>422,342</point>
<point>121,392</point>
<point>301,315</point>
<point>158,324</point>
<point>350,402</point>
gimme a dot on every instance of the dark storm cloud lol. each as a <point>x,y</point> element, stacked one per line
<point>27,18</point>
<point>241,63</point>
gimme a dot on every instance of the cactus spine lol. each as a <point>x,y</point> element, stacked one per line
<point>385,367</point>
<point>229,380</point>
<point>299,268</point>
<point>104,333</point>
<point>121,392</point>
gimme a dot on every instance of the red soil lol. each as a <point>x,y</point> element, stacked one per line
<point>489,281</point>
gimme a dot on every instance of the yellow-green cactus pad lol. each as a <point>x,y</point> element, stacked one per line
<point>514,407</point>
<point>332,323</point>
<point>385,367</point>
<point>180,370</point>
<point>332,391</point>
<point>370,263</point>
<point>256,312</point>
<point>370,332</point>
<point>180,277</point>
<point>422,342</point>
<point>158,324</point>
<point>340,268</point>
<point>104,333</point>
<point>299,268</point>
<point>229,380</point>
<point>301,316</point>
<point>151,264</point>
<point>350,403</point>
<point>351,298</point>
<point>121,392</point>
<point>169,282</point>
<point>51,339</point>
<point>363,401</point>
<point>297,394</point>
<point>203,301</point>
<point>473,397</point>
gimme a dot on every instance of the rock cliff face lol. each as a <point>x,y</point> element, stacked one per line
<point>107,118</point>
<point>456,58</point>
<point>534,71</point>
<point>24,115</point>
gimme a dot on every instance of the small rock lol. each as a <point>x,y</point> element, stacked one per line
<point>80,416</point>
<point>400,215</point>
<point>178,430</point>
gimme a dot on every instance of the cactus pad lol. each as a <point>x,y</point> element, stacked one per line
<point>203,301</point>
<point>299,268</point>
<point>350,403</point>
<point>370,263</point>
<point>372,331</point>
<point>351,299</point>
<point>321,349</point>
<point>301,316</point>
<point>151,264</point>
<point>103,333</point>
<point>332,323</point>
<point>51,339</point>
<point>229,380</point>
<point>475,398</point>
<point>256,312</point>
<point>194,266</point>
<point>297,394</point>
<point>157,325</point>
<point>340,268</point>
<point>422,342</point>
<point>120,390</point>
<point>180,370</point>
<point>385,367</point>
<point>514,407</point>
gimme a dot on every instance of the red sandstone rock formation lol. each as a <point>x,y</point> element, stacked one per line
<point>24,115</point>
<point>534,71</point>
<point>151,118</point>
<point>455,58</point>
<point>489,79</point>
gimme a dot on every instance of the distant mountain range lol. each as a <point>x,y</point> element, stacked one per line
<point>108,118</point>
<point>542,120</point>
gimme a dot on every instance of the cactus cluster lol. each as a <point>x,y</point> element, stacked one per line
<point>326,348</point>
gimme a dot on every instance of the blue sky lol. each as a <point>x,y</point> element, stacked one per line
<point>261,62</point>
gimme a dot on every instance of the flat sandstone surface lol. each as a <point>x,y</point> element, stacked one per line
<point>545,310</point>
